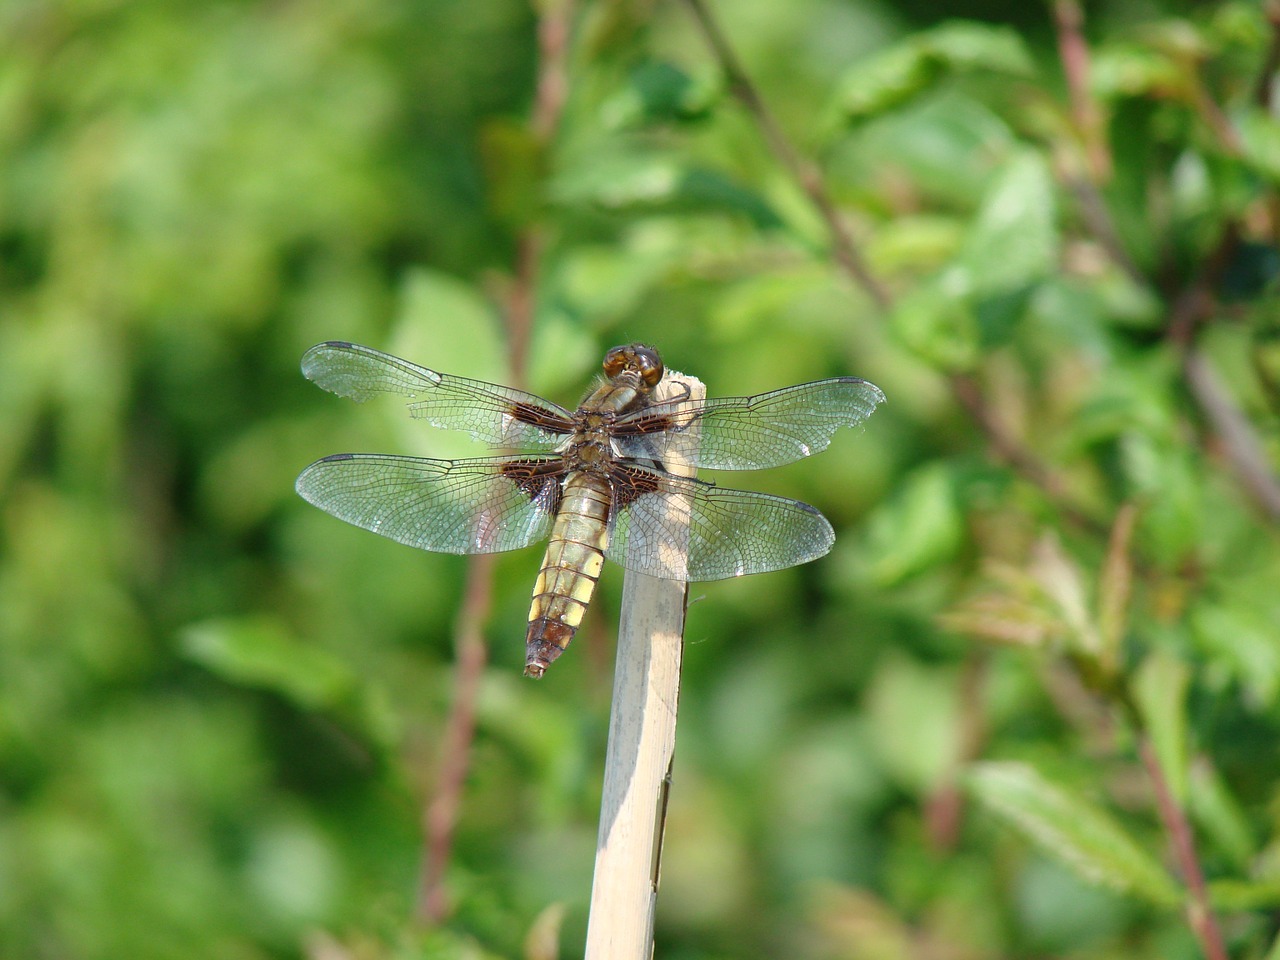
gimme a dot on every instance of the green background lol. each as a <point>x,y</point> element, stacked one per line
<point>221,711</point>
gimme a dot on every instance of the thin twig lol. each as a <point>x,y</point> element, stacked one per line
<point>553,69</point>
<point>1211,112</point>
<point>1114,590</point>
<point>1200,915</point>
<point>1239,439</point>
<point>1073,50</point>
<point>440,816</point>
<point>1240,443</point>
<point>1263,97</point>
<point>843,247</point>
<point>1018,457</point>
<point>1271,63</point>
<point>522,301</point>
<point>944,807</point>
<point>1097,218</point>
<point>1068,18</point>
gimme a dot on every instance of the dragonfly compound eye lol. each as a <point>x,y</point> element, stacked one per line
<point>649,363</point>
<point>615,361</point>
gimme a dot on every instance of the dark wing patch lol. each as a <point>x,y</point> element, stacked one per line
<point>540,480</point>
<point>484,505</point>
<point>683,529</point>
<point>629,484</point>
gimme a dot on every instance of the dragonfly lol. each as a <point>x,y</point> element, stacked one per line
<point>597,482</point>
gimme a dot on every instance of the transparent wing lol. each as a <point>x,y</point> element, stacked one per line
<point>499,415</point>
<point>752,433</point>
<point>728,533</point>
<point>485,505</point>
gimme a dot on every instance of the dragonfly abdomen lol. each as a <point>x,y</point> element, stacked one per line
<point>569,571</point>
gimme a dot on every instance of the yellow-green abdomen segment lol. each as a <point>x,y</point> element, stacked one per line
<point>569,571</point>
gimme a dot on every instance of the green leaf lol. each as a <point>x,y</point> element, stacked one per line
<point>919,63</point>
<point>515,168</point>
<point>1240,635</point>
<point>969,45</point>
<point>260,652</point>
<point>1013,241</point>
<point>1220,814</point>
<point>1260,137</point>
<point>920,527</point>
<point>759,302</point>
<point>658,91</point>
<point>885,81</point>
<point>998,315</point>
<point>433,308</point>
<point>1239,895</point>
<point>606,281</point>
<point>937,322</point>
<point>914,711</point>
<point>915,242</point>
<point>981,297</point>
<point>1131,70</point>
<point>1160,686</point>
<point>633,181</point>
<point>1079,833</point>
<point>703,189</point>
<point>945,149</point>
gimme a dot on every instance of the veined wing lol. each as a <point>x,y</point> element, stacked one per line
<point>751,433</point>
<point>484,505</point>
<point>499,415</point>
<point>728,533</point>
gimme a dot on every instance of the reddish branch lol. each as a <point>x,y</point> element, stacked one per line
<point>522,300</point>
<point>553,69</point>
<point>1007,448</point>
<point>1238,438</point>
<point>1068,20</point>
<point>1074,52</point>
<point>1271,63</point>
<point>1200,914</point>
<point>944,807</point>
<point>843,247</point>
<point>440,816</point>
<point>1262,96</point>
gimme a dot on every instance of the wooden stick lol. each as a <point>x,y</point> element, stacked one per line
<point>642,740</point>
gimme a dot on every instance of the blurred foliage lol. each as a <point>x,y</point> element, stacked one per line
<point>221,711</point>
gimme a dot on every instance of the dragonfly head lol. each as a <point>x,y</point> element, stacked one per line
<point>634,358</point>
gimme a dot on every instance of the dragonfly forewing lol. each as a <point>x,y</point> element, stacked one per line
<point>498,415</point>
<point>755,433</point>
